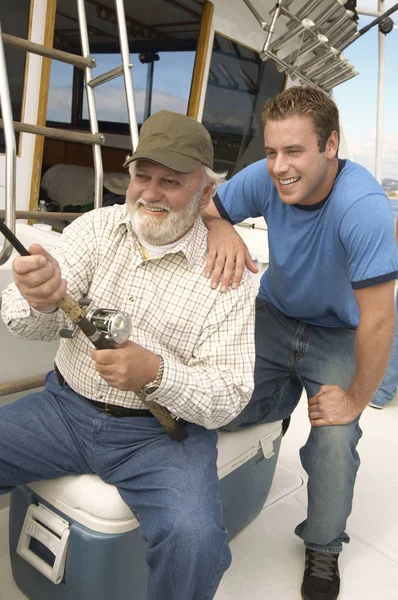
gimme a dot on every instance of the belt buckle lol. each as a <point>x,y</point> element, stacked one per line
<point>108,409</point>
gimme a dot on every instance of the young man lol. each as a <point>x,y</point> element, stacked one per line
<point>325,309</point>
<point>191,350</point>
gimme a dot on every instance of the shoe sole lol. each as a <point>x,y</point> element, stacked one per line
<point>304,597</point>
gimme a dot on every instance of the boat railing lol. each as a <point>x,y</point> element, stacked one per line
<point>22,385</point>
<point>35,214</point>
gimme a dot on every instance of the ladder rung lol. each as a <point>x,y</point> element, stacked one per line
<point>112,74</point>
<point>58,134</point>
<point>73,59</point>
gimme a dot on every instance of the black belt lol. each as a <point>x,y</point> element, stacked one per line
<point>111,409</point>
<point>120,411</point>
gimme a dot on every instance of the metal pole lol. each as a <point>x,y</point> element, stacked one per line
<point>365,29</point>
<point>272,26</point>
<point>149,88</point>
<point>128,78</point>
<point>11,152</point>
<point>380,100</point>
<point>78,61</point>
<point>92,111</point>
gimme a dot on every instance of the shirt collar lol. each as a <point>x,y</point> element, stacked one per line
<point>193,245</point>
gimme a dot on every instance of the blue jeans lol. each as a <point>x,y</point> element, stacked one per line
<point>292,355</point>
<point>171,487</point>
<point>388,387</point>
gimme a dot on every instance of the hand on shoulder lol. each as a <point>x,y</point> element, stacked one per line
<point>227,255</point>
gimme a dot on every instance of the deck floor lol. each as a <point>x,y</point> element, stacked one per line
<point>268,558</point>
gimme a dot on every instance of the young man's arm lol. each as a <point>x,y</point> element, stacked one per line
<point>335,406</point>
<point>227,252</point>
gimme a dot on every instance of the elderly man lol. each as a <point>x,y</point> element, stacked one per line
<point>191,350</point>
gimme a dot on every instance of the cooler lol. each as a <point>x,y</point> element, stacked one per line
<point>74,538</point>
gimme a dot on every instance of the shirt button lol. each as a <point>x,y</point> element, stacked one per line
<point>100,396</point>
<point>131,299</point>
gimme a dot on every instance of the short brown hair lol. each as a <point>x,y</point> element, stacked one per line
<point>305,101</point>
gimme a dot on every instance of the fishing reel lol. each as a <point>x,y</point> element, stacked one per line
<point>114,325</point>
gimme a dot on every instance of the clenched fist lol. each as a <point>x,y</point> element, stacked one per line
<point>38,278</point>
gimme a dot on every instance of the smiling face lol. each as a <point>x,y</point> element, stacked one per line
<point>302,173</point>
<point>163,204</point>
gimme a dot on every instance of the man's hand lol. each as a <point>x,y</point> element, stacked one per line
<point>38,278</point>
<point>331,406</point>
<point>128,367</point>
<point>227,255</point>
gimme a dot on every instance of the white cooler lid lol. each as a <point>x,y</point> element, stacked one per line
<point>98,505</point>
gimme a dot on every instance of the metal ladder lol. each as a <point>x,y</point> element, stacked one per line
<point>95,138</point>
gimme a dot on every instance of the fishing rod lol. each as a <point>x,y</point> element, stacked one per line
<point>103,327</point>
<point>386,25</point>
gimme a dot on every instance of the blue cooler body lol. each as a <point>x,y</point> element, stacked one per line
<point>73,538</point>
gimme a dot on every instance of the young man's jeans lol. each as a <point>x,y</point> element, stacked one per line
<point>171,487</point>
<point>292,355</point>
<point>388,387</point>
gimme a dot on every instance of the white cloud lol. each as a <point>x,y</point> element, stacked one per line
<point>111,103</point>
<point>59,104</point>
<point>364,152</point>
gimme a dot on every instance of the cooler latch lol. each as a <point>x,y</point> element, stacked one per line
<point>50,530</point>
<point>267,445</point>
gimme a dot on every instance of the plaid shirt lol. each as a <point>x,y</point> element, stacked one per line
<point>205,337</point>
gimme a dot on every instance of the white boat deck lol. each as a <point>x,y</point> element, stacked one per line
<point>268,558</point>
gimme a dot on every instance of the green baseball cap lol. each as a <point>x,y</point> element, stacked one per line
<point>175,141</point>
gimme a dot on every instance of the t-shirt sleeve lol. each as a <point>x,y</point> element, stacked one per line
<point>246,194</point>
<point>368,235</point>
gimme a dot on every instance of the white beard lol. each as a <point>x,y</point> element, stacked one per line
<point>159,232</point>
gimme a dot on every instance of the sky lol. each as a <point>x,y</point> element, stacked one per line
<point>357,98</point>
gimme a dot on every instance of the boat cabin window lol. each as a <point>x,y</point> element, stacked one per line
<point>161,79</point>
<point>15,22</point>
<point>163,37</point>
<point>239,84</point>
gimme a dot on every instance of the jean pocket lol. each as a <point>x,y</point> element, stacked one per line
<point>349,330</point>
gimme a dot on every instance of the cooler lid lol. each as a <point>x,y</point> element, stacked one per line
<point>98,505</point>
<point>237,447</point>
<point>89,501</point>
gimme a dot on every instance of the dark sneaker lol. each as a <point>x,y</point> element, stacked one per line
<point>321,576</point>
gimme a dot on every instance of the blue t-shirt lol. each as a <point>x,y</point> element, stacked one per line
<point>319,254</point>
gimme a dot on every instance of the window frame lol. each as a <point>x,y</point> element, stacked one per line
<point>78,123</point>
